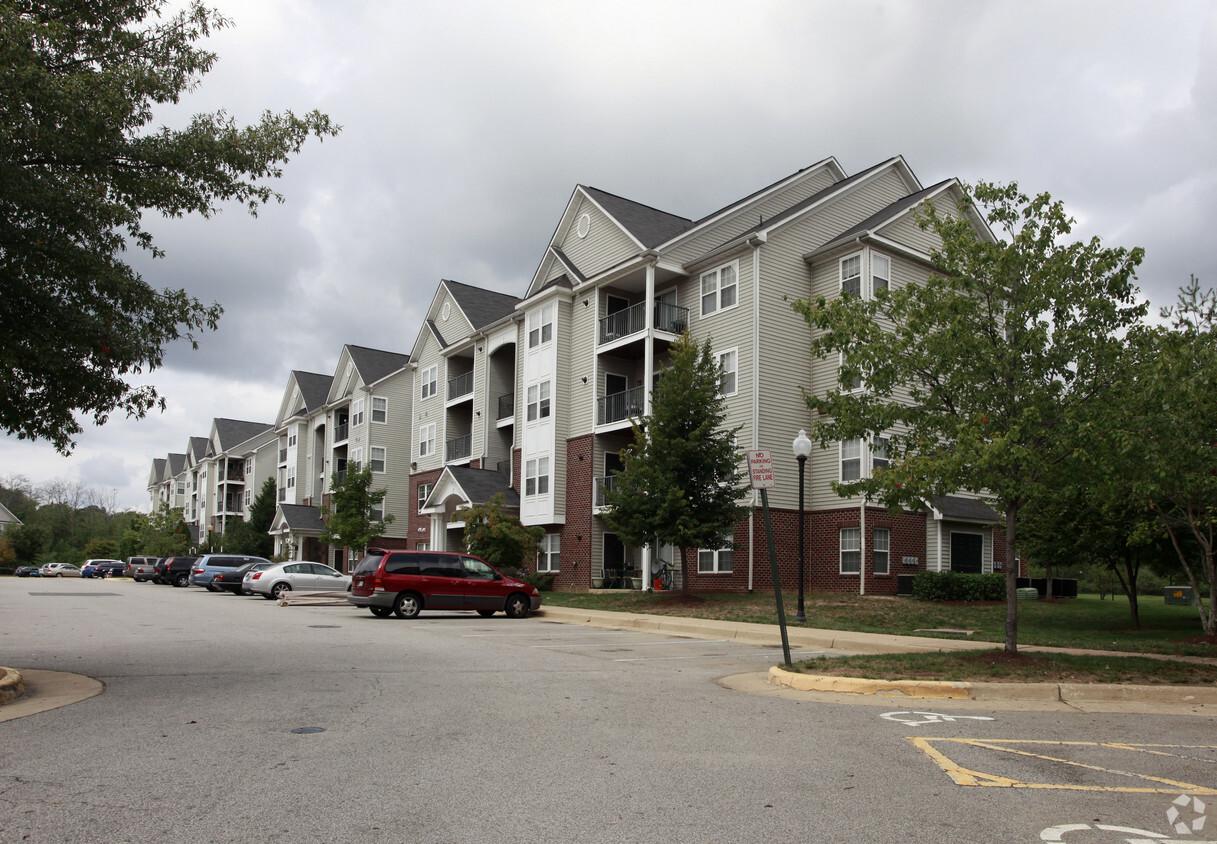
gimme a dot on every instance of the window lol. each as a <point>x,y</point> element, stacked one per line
<point>540,326</point>
<point>429,381</point>
<point>880,272</point>
<point>851,275</point>
<point>424,490</point>
<point>426,439</point>
<point>356,461</point>
<point>548,550</point>
<point>719,289</point>
<point>878,453</point>
<point>249,466</point>
<point>727,362</point>
<point>422,546</point>
<point>357,413</point>
<point>718,561</point>
<point>380,410</point>
<point>851,550</point>
<point>538,401</point>
<point>291,439</point>
<point>851,459</point>
<point>377,512</point>
<point>854,383</point>
<point>378,458</point>
<point>248,496</point>
<point>536,476</point>
<point>882,539</point>
<point>291,477</point>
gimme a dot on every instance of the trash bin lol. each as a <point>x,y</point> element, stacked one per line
<point>1028,593</point>
<point>1179,595</point>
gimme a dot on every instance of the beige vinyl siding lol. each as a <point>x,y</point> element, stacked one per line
<point>726,330</point>
<point>747,216</point>
<point>604,246</point>
<point>456,327</point>
<point>563,394</point>
<point>396,438</point>
<point>431,409</point>
<point>906,231</point>
<point>577,414</point>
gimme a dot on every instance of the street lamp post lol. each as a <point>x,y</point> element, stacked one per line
<point>802,448</point>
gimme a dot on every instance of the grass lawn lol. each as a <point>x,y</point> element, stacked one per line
<point>1084,622</point>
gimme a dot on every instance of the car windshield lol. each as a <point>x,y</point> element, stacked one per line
<point>369,563</point>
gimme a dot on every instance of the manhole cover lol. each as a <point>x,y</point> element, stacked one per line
<point>309,730</point>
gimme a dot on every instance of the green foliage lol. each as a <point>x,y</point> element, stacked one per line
<point>8,557</point>
<point>252,537</point>
<point>495,534</point>
<point>101,549</point>
<point>348,517</point>
<point>955,586</point>
<point>164,534</point>
<point>983,377</point>
<point>27,541</point>
<point>79,168</point>
<point>681,482</point>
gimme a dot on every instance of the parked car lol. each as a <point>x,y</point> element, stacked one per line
<point>99,568</point>
<point>206,566</point>
<point>174,570</point>
<point>59,570</point>
<point>111,568</point>
<point>140,569</point>
<point>26,571</point>
<point>273,582</point>
<point>407,582</point>
<point>232,580</point>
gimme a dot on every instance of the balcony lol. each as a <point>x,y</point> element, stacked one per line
<point>603,485</point>
<point>458,448</point>
<point>460,386</point>
<point>672,319</point>
<point>507,406</point>
<point>619,406</point>
<point>342,432</point>
<point>232,504</point>
<point>235,472</point>
<point>282,456</point>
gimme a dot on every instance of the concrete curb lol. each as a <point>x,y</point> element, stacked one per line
<point>12,685</point>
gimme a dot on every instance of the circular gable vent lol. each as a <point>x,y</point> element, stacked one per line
<point>585,223</point>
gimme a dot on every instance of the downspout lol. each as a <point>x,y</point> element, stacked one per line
<point>755,242</point>
<point>648,380</point>
<point>862,546</point>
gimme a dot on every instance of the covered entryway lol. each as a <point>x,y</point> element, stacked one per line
<point>967,552</point>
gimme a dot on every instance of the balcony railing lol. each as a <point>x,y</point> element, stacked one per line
<point>342,432</point>
<point>507,406</point>
<point>458,448</point>
<point>603,485</point>
<point>232,504</point>
<point>235,472</point>
<point>673,319</point>
<point>461,385</point>
<point>619,406</point>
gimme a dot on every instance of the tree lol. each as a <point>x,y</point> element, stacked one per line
<point>1171,434</point>
<point>252,536</point>
<point>164,534</point>
<point>681,481</point>
<point>497,535</point>
<point>99,548</point>
<point>349,517</point>
<point>980,378</point>
<point>79,167</point>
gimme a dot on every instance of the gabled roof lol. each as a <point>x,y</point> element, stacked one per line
<point>158,471</point>
<point>7,517</point>
<point>649,226</point>
<point>480,306</point>
<point>176,464</point>
<point>298,518</point>
<point>374,364</point>
<point>314,387</point>
<point>887,215</point>
<point>473,486</point>
<point>230,433</point>
<point>196,449</point>
<point>959,509</point>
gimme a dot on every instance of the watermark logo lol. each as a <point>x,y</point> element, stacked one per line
<point>1186,815</point>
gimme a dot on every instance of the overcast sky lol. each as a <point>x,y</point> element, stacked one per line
<point>466,125</point>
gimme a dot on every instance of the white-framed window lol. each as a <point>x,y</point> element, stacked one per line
<point>377,455</point>
<point>538,401</point>
<point>249,466</point>
<point>428,382</point>
<point>728,362</point>
<point>248,497</point>
<point>720,288</point>
<point>851,275</point>
<point>380,410</point>
<point>357,413</point>
<point>878,453</point>
<point>291,477</point>
<point>541,326</point>
<point>356,461</point>
<point>181,488</point>
<point>422,546</point>
<point>536,476</point>
<point>851,550</point>
<point>880,272</point>
<point>377,511</point>
<point>291,439</point>
<point>851,460</point>
<point>716,561</point>
<point>855,383</point>
<point>426,439</point>
<point>882,550</point>
<point>548,551</point>
<point>424,490</point>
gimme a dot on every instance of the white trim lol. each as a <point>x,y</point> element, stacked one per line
<point>717,273</point>
<point>734,352</point>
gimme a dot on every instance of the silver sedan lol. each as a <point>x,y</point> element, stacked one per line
<point>272,583</point>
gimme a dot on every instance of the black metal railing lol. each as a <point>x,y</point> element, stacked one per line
<point>619,406</point>
<point>507,406</point>
<point>342,432</point>
<point>458,448</point>
<point>673,319</point>
<point>603,485</point>
<point>461,385</point>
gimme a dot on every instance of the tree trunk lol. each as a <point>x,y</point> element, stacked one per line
<point>1129,582</point>
<point>1011,583</point>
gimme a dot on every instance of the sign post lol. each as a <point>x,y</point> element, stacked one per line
<point>760,471</point>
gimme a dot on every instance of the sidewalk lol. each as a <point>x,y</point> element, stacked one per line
<point>1194,700</point>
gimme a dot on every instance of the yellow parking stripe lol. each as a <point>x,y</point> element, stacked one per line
<point>967,777</point>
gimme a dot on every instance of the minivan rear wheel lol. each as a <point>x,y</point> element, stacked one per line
<point>381,612</point>
<point>517,605</point>
<point>407,605</point>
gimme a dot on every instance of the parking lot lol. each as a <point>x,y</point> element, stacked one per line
<point>451,727</point>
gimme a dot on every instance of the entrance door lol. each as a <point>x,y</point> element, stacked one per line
<point>614,562</point>
<point>967,552</point>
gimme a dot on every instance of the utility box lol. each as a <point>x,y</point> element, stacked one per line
<point>1027,593</point>
<point>1179,595</point>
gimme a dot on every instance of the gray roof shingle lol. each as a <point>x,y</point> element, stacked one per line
<point>480,306</point>
<point>298,517</point>
<point>649,225</point>
<point>232,432</point>
<point>374,364</point>
<point>481,485</point>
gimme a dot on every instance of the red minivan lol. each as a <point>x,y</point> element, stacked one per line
<point>407,582</point>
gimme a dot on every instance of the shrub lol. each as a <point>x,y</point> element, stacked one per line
<point>954,586</point>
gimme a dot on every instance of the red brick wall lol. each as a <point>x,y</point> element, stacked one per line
<point>414,534</point>
<point>575,562</point>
